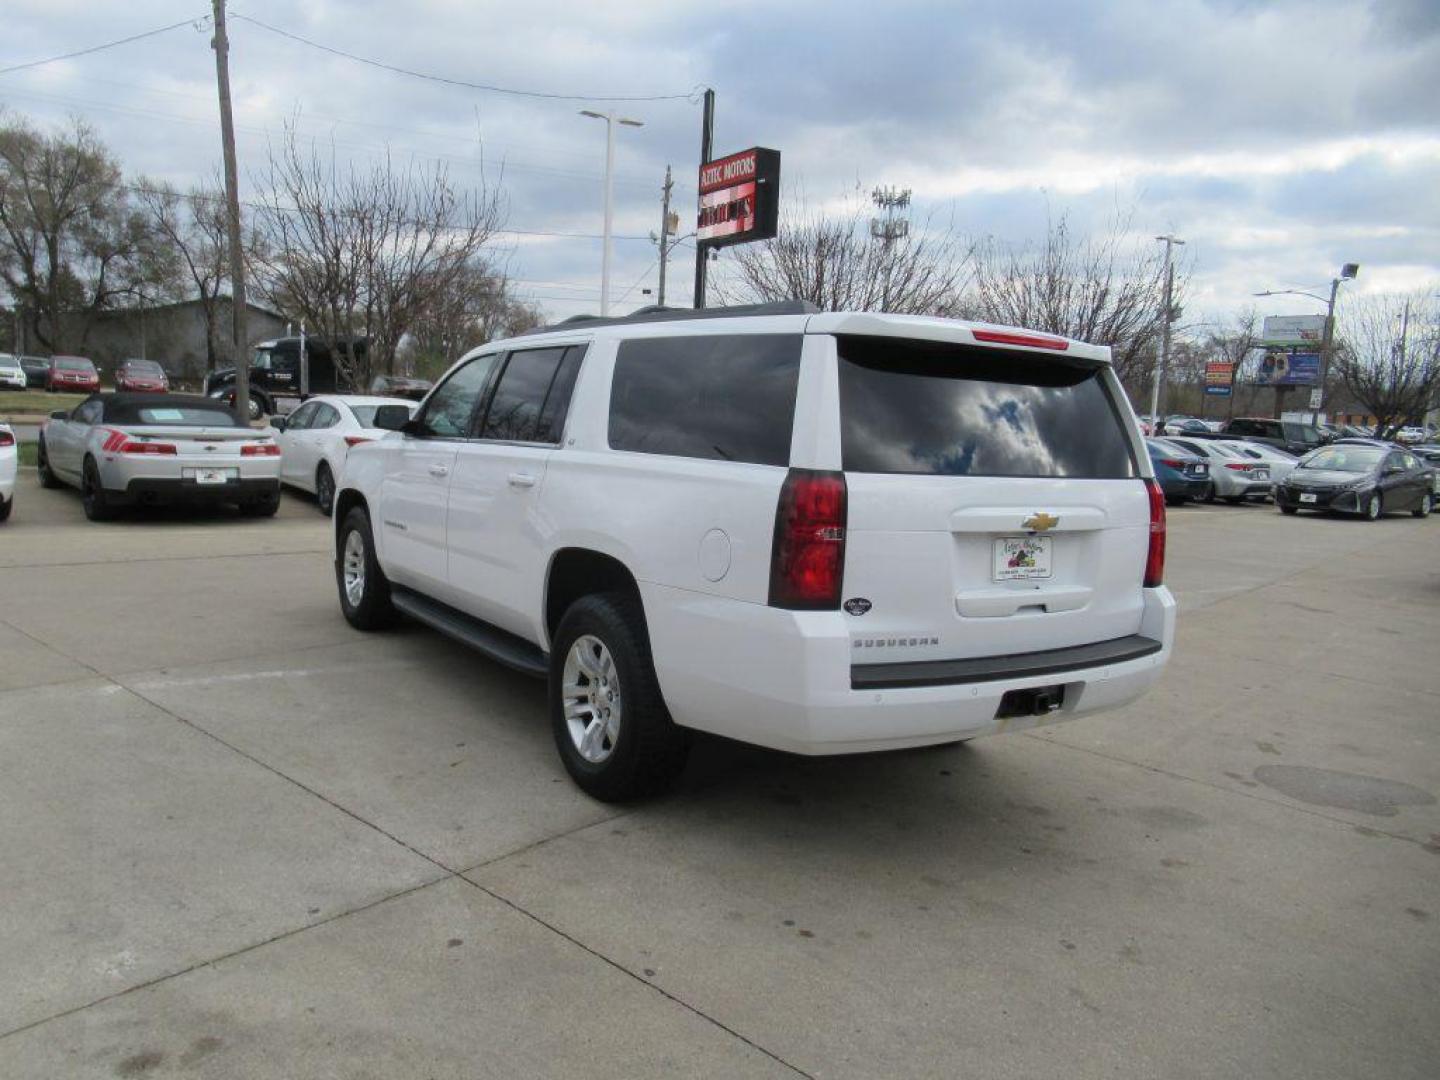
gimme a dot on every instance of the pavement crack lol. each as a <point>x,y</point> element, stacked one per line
<point>642,980</point>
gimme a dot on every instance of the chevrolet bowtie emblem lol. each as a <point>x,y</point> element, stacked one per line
<point>1040,522</point>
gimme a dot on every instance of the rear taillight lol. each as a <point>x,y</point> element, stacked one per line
<point>1155,555</point>
<point>807,559</point>
<point>147,448</point>
<point>6,439</point>
<point>1238,467</point>
<point>356,440</point>
<point>1172,464</point>
<point>264,449</point>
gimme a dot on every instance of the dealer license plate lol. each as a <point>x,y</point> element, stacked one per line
<point>212,476</point>
<point>1308,497</point>
<point>1020,557</point>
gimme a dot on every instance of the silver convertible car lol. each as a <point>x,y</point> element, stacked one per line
<point>149,449</point>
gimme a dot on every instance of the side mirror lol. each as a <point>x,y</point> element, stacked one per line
<point>279,423</point>
<point>59,414</point>
<point>392,417</point>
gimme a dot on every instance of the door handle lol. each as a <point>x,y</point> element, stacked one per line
<point>521,480</point>
<point>439,471</point>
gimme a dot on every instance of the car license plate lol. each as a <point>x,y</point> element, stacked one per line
<point>1021,557</point>
<point>1262,474</point>
<point>1308,497</point>
<point>211,476</point>
<point>1201,470</point>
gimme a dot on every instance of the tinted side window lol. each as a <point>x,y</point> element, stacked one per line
<point>515,408</point>
<point>326,416</point>
<point>721,397</point>
<point>557,404</point>
<point>930,408</point>
<point>301,417</point>
<point>448,409</point>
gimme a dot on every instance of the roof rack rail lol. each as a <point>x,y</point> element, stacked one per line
<point>656,313</point>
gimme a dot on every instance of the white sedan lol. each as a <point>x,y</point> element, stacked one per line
<point>316,437</point>
<point>9,463</point>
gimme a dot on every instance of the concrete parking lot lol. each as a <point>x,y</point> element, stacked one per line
<point>239,839</point>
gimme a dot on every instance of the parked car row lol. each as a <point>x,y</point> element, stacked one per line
<point>78,374</point>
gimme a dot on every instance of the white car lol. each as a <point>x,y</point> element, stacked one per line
<point>1280,462</point>
<point>12,374</point>
<point>825,533</point>
<point>150,449</point>
<point>316,438</point>
<point>9,464</point>
<point>1234,476</point>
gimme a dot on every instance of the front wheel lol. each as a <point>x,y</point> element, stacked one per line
<point>48,479</point>
<point>611,727</point>
<point>1289,509</point>
<point>1426,504</point>
<point>364,591</point>
<point>1374,507</point>
<point>325,490</point>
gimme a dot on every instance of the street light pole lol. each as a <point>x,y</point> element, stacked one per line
<point>610,121</point>
<point>1170,242</point>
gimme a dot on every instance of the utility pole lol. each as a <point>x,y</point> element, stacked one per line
<point>702,250</point>
<point>1168,316</point>
<point>221,45</point>
<point>664,233</point>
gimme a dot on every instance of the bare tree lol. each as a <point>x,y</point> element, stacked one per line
<point>363,252</point>
<point>1388,355</point>
<point>1107,290</point>
<point>194,224</point>
<point>71,243</point>
<point>833,261</point>
<point>475,306</point>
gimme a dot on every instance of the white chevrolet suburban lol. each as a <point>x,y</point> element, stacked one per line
<point>824,533</point>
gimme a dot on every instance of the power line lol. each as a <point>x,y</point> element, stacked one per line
<point>201,20</point>
<point>460,82</point>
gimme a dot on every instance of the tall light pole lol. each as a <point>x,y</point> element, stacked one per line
<point>1168,316</point>
<point>1348,272</point>
<point>610,121</point>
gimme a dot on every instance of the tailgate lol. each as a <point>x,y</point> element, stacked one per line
<point>995,506</point>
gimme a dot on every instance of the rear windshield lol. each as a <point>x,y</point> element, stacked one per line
<point>948,410</point>
<point>365,414</point>
<point>171,414</point>
<point>74,365</point>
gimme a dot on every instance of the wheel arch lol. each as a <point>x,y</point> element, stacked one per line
<point>580,571</point>
<point>347,499</point>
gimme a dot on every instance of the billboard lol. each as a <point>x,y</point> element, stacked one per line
<point>1219,374</point>
<point>1293,330</point>
<point>739,198</point>
<point>1288,367</point>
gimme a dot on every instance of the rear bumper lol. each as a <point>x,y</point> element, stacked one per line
<point>786,679</point>
<point>1183,487</point>
<point>157,492</point>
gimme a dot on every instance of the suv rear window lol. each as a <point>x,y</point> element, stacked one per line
<point>722,397</point>
<point>953,410</point>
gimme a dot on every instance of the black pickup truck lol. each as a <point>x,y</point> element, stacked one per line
<point>279,380</point>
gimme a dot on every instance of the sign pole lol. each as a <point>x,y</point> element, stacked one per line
<point>702,250</point>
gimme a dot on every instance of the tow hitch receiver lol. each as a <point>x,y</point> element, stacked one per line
<point>1036,701</point>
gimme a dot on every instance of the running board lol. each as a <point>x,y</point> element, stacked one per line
<point>497,644</point>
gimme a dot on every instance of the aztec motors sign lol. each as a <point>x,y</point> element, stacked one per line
<point>739,198</point>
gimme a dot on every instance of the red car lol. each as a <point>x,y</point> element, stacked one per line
<point>73,373</point>
<point>141,376</point>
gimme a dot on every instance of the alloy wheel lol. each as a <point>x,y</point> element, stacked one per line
<point>352,568</point>
<point>592,699</point>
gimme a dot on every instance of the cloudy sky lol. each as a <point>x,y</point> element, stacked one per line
<point>1278,139</point>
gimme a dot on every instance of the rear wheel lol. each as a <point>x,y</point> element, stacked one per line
<point>364,591</point>
<point>325,490</point>
<point>262,505</point>
<point>1423,510</point>
<point>92,493</point>
<point>5,506</point>
<point>1374,507</point>
<point>1234,500</point>
<point>611,727</point>
<point>1209,494</point>
<point>1289,509</point>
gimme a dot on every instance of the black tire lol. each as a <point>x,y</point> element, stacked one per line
<point>42,465</point>
<point>92,493</point>
<point>1289,509</point>
<point>258,407</point>
<point>1234,500</point>
<point>1174,500</point>
<point>262,505</point>
<point>325,489</point>
<point>1374,508</point>
<point>5,508</point>
<point>1423,510</point>
<point>1209,496</point>
<point>649,750</point>
<point>372,610</point>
